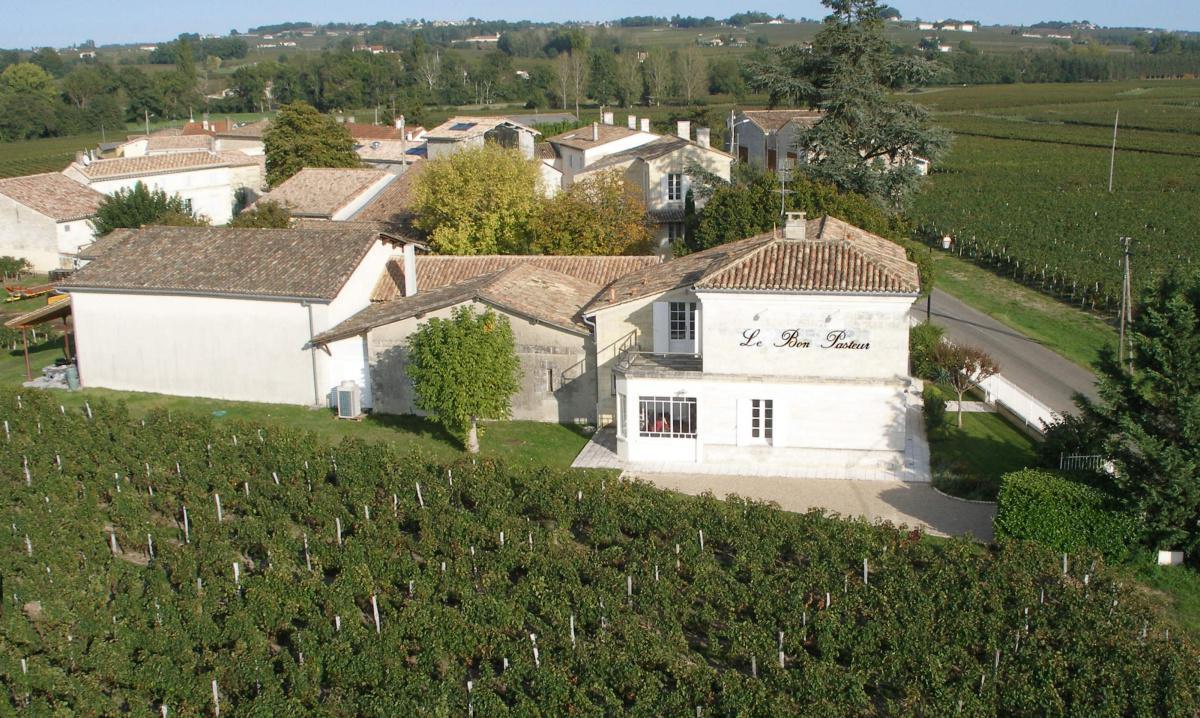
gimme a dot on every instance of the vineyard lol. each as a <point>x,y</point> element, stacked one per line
<point>51,154</point>
<point>174,566</point>
<point>1025,188</point>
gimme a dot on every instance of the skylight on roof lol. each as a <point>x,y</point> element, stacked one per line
<point>462,126</point>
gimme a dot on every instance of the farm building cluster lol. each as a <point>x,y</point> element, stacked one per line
<point>786,347</point>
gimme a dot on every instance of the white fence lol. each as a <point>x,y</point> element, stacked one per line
<point>1000,391</point>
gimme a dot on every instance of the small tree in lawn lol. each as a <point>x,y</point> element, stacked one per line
<point>464,369</point>
<point>964,368</point>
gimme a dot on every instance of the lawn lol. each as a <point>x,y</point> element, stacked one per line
<point>1073,333</point>
<point>1181,586</point>
<point>525,443</point>
<point>969,462</point>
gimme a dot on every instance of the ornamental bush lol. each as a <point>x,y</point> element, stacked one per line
<point>923,338</point>
<point>1062,514</point>
<point>935,407</point>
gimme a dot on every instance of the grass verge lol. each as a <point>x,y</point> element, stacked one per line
<point>1073,333</point>
<point>969,462</point>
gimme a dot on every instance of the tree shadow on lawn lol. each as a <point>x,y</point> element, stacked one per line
<point>419,426</point>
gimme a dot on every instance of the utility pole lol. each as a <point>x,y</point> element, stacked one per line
<point>1126,310</point>
<point>929,292</point>
<point>1112,158</point>
<point>147,112</point>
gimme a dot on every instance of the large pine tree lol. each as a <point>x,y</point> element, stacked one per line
<point>867,136</point>
<point>1151,415</point>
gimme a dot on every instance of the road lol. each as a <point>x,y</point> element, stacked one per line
<point>1043,373</point>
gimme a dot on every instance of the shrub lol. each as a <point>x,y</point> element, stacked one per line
<point>935,407</point>
<point>1062,514</point>
<point>922,339</point>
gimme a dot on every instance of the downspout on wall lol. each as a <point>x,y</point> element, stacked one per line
<point>312,350</point>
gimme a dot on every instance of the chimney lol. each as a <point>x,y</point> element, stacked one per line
<point>410,269</point>
<point>702,136</point>
<point>632,122</point>
<point>204,124</point>
<point>351,120</point>
<point>400,122</point>
<point>606,117</point>
<point>683,128</point>
<point>793,226</point>
<point>645,124</point>
<point>595,132</point>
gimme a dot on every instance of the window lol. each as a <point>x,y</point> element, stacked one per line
<point>66,228</point>
<point>667,417</point>
<point>674,188</point>
<point>762,419</point>
<point>674,231</point>
<point>683,320</point>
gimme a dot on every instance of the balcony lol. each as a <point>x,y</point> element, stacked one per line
<point>647,365</point>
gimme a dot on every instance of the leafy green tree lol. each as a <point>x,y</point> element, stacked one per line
<point>27,78</point>
<point>268,214</point>
<point>599,214</point>
<point>465,369</point>
<point>142,206</point>
<point>302,137</point>
<point>83,84</point>
<point>602,79</point>
<point>866,139</point>
<point>1150,416</point>
<point>479,201</point>
<point>49,60</point>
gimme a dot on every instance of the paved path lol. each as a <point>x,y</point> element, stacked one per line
<point>1046,375</point>
<point>899,502</point>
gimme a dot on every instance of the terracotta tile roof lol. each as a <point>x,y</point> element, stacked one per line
<point>581,139</point>
<point>833,257</point>
<point>250,130</point>
<point>53,194</point>
<point>198,142</point>
<point>100,245</point>
<point>393,204</point>
<point>322,191</point>
<point>214,126</point>
<point>434,271</point>
<point>162,164</point>
<point>774,120</point>
<point>522,289</point>
<point>459,128</point>
<point>305,262</point>
<point>363,131</point>
<point>648,152</point>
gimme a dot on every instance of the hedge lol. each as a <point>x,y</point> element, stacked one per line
<point>1062,514</point>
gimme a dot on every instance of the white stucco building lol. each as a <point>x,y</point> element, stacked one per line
<point>45,219</point>
<point>212,182</point>
<point>766,139</point>
<point>226,313</point>
<point>458,133</point>
<point>788,347</point>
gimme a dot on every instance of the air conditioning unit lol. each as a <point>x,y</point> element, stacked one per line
<point>349,403</point>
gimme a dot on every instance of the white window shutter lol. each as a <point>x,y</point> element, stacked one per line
<point>666,188</point>
<point>699,347</point>
<point>742,421</point>
<point>685,186</point>
<point>781,423</point>
<point>662,321</point>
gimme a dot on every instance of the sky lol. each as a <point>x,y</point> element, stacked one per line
<point>62,23</point>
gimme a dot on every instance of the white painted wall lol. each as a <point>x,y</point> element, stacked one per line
<point>435,150</point>
<point>211,190</point>
<point>28,234</point>
<point>217,347</point>
<point>729,319</point>
<point>838,423</point>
